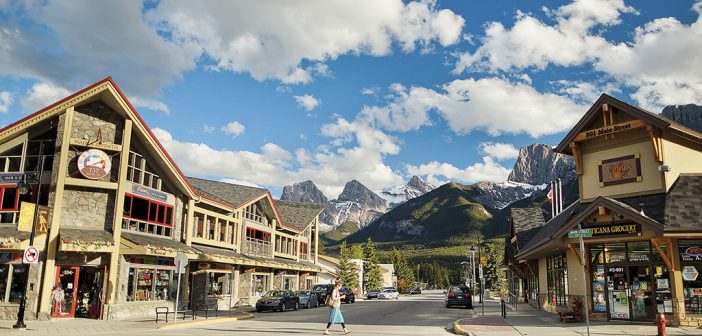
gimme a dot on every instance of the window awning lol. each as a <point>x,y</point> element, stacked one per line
<point>135,243</point>
<point>85,240</point>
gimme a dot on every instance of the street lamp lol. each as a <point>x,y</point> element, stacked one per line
<point>481,278</point>
<point>23,187</point>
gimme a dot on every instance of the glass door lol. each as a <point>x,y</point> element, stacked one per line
<point>63,295</point>
<point>642,303</point>
<point>618,293</point>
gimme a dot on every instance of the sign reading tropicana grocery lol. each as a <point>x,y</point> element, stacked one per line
<point>615,229</point>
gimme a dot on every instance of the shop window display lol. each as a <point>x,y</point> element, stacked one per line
<point>691,264</point>
<point>557,272</point>
<point>145,284</point>
<point>261,284</point>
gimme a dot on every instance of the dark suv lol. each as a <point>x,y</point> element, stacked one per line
<point>350,297</point>
<point>322,291</point>
<point>459,295</point>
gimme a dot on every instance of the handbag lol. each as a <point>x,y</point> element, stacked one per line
<point>329,302</point>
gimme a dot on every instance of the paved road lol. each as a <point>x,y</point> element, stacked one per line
<point>410,315</point>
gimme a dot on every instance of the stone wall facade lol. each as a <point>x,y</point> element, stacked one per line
<point>88,208</point>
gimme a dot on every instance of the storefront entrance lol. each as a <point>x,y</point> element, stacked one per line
<point>78,292</point>
<point>630,293</point>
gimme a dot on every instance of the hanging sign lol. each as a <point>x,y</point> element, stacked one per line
<point>94,164</point>
<point>41,225</point>
<point>31,255</point>
<point>692,253</point>
<point>689,273</point>
<point>625,169</point>
<point>150,193</point>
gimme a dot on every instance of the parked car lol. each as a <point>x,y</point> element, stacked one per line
<point>322,291</point>
<point>373,293</point>
<point>350,297</point>
<point>279,300</point>
<point>308,299</point>
<point>415,291</point>
<point>459,295</point>
<point>389,293</point>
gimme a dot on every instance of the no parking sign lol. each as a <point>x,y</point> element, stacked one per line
<point>31,255</point>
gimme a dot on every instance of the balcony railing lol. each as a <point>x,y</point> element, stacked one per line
<point>258,247</point>
<point>141,226</point>
<point>304,257</point>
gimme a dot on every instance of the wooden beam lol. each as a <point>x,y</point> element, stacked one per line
<point>575,251</point>
<point>611,129</point>
<point>655,142</point>
<point>666,255</point>
<point>578,157</point>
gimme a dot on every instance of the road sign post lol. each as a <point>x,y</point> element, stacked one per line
<point>181,260</point>
<point>580,233</point>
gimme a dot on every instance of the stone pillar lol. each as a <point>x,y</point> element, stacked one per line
<point>677,286</point>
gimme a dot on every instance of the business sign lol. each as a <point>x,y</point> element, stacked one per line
<point>581,233</point>
<point>148,192</point>
<point>15,177</point>
<point>94,164</point>
<point>26,218</point>
<point>692,253</point>
<point>620,170</point>
<point>689,273</point>
<point>616,128</point>
<point>615,229</point>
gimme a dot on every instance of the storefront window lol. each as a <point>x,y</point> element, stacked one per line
<point>596,254</point>
<point>557,272</point>
<point>533,283</point>
<point>19,276</point>
<point>261,284</point>
<point>151,282</point>
<point>218,283</point>
<point>289,282</point>
<point>661,279</point>
<point>639,251</point>
<point>691,263</point>
<point>11,279</point>
<point>615,253</point>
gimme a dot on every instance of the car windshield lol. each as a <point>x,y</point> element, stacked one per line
<point>388,290</point>
<point>321,287</point>
<point>274,294</point>
<point>302,293</point>
<point>460,289</point>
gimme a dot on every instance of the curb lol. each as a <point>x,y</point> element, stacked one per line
<point>247,316</point>
<point>457,329</point>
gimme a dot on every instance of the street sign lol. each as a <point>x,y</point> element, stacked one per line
<point>181,261</point>
<point>581,233</point>
<point>689,273</point>
<point>31,255</point>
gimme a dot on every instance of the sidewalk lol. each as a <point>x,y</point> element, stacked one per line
<point>80,326</point>
<point>529,321</point>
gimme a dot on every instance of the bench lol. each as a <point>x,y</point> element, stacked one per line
<point>573,313</point>
<point>207,306</point>
<point>182,309</point>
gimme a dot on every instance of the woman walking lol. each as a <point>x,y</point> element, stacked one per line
<point>334,303</point>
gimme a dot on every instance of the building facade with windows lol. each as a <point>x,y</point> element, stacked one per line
<point>114,211</point>
<point>640,186</point>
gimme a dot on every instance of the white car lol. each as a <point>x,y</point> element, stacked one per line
<point>389,294</point>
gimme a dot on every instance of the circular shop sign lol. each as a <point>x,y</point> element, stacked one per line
<point>94,164</point>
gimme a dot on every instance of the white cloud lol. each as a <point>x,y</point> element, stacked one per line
<point>308,102</point>
<point>5,101</point>
<point>208,129</point>
<point>499,150</point>
<point>533,43</point>
<point>41,95</point>
<point>661,63</point>
<point>270,39</point>
<point>370,91</point>
<point>494,105</point>
<point>45,48</point>
<point>487,170</point>
<point>240,182</point>
<point>233,128</point>
<point>150,104</point>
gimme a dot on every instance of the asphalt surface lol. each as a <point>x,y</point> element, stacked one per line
<point>423,314</point>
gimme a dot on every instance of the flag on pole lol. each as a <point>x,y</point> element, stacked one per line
<point>550,196</point>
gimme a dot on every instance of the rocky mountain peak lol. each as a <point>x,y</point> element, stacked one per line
<point>538,164</point>
<point>305,192</point>
<point>420,185</point>
<point>689,115</point>
<point>355,191</point>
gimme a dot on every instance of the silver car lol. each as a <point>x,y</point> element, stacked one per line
<point>308,299</point>
<point>389,294</point>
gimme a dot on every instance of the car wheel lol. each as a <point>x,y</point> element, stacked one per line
<point>316,305</point>
<point>469,307</point>
<point>259,310</point>
<point>353,300</point>
<point>281,307</point>
<point>309,305</point>
<point>448,305</point>
<point>296,306</point>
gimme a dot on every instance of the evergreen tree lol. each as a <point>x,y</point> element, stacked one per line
<point>347,273</point>
<point>372,278</point>
<point>403,271</point>
<point>356,251</point>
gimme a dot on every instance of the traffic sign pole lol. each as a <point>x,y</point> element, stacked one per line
<point>582,262</point>
<point>178,269</point>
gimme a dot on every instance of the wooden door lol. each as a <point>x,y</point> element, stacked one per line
<point>64,306</point>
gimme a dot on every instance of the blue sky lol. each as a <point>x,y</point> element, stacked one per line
<point>271,93</point>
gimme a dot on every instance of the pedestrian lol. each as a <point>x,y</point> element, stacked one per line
<point>57,295</point>
<point>334,303</point>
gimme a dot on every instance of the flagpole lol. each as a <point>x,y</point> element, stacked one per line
<point>552,199</point>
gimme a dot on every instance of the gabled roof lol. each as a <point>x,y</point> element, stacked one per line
<point>649,117</point>
<point>524,219</point>
<point>577,213</point>
<point>229,193</point>
<point>298,215</point>
<point>683,208</point>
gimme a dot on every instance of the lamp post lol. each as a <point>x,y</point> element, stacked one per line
<point>24,188</point>
<point>480,272</point>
